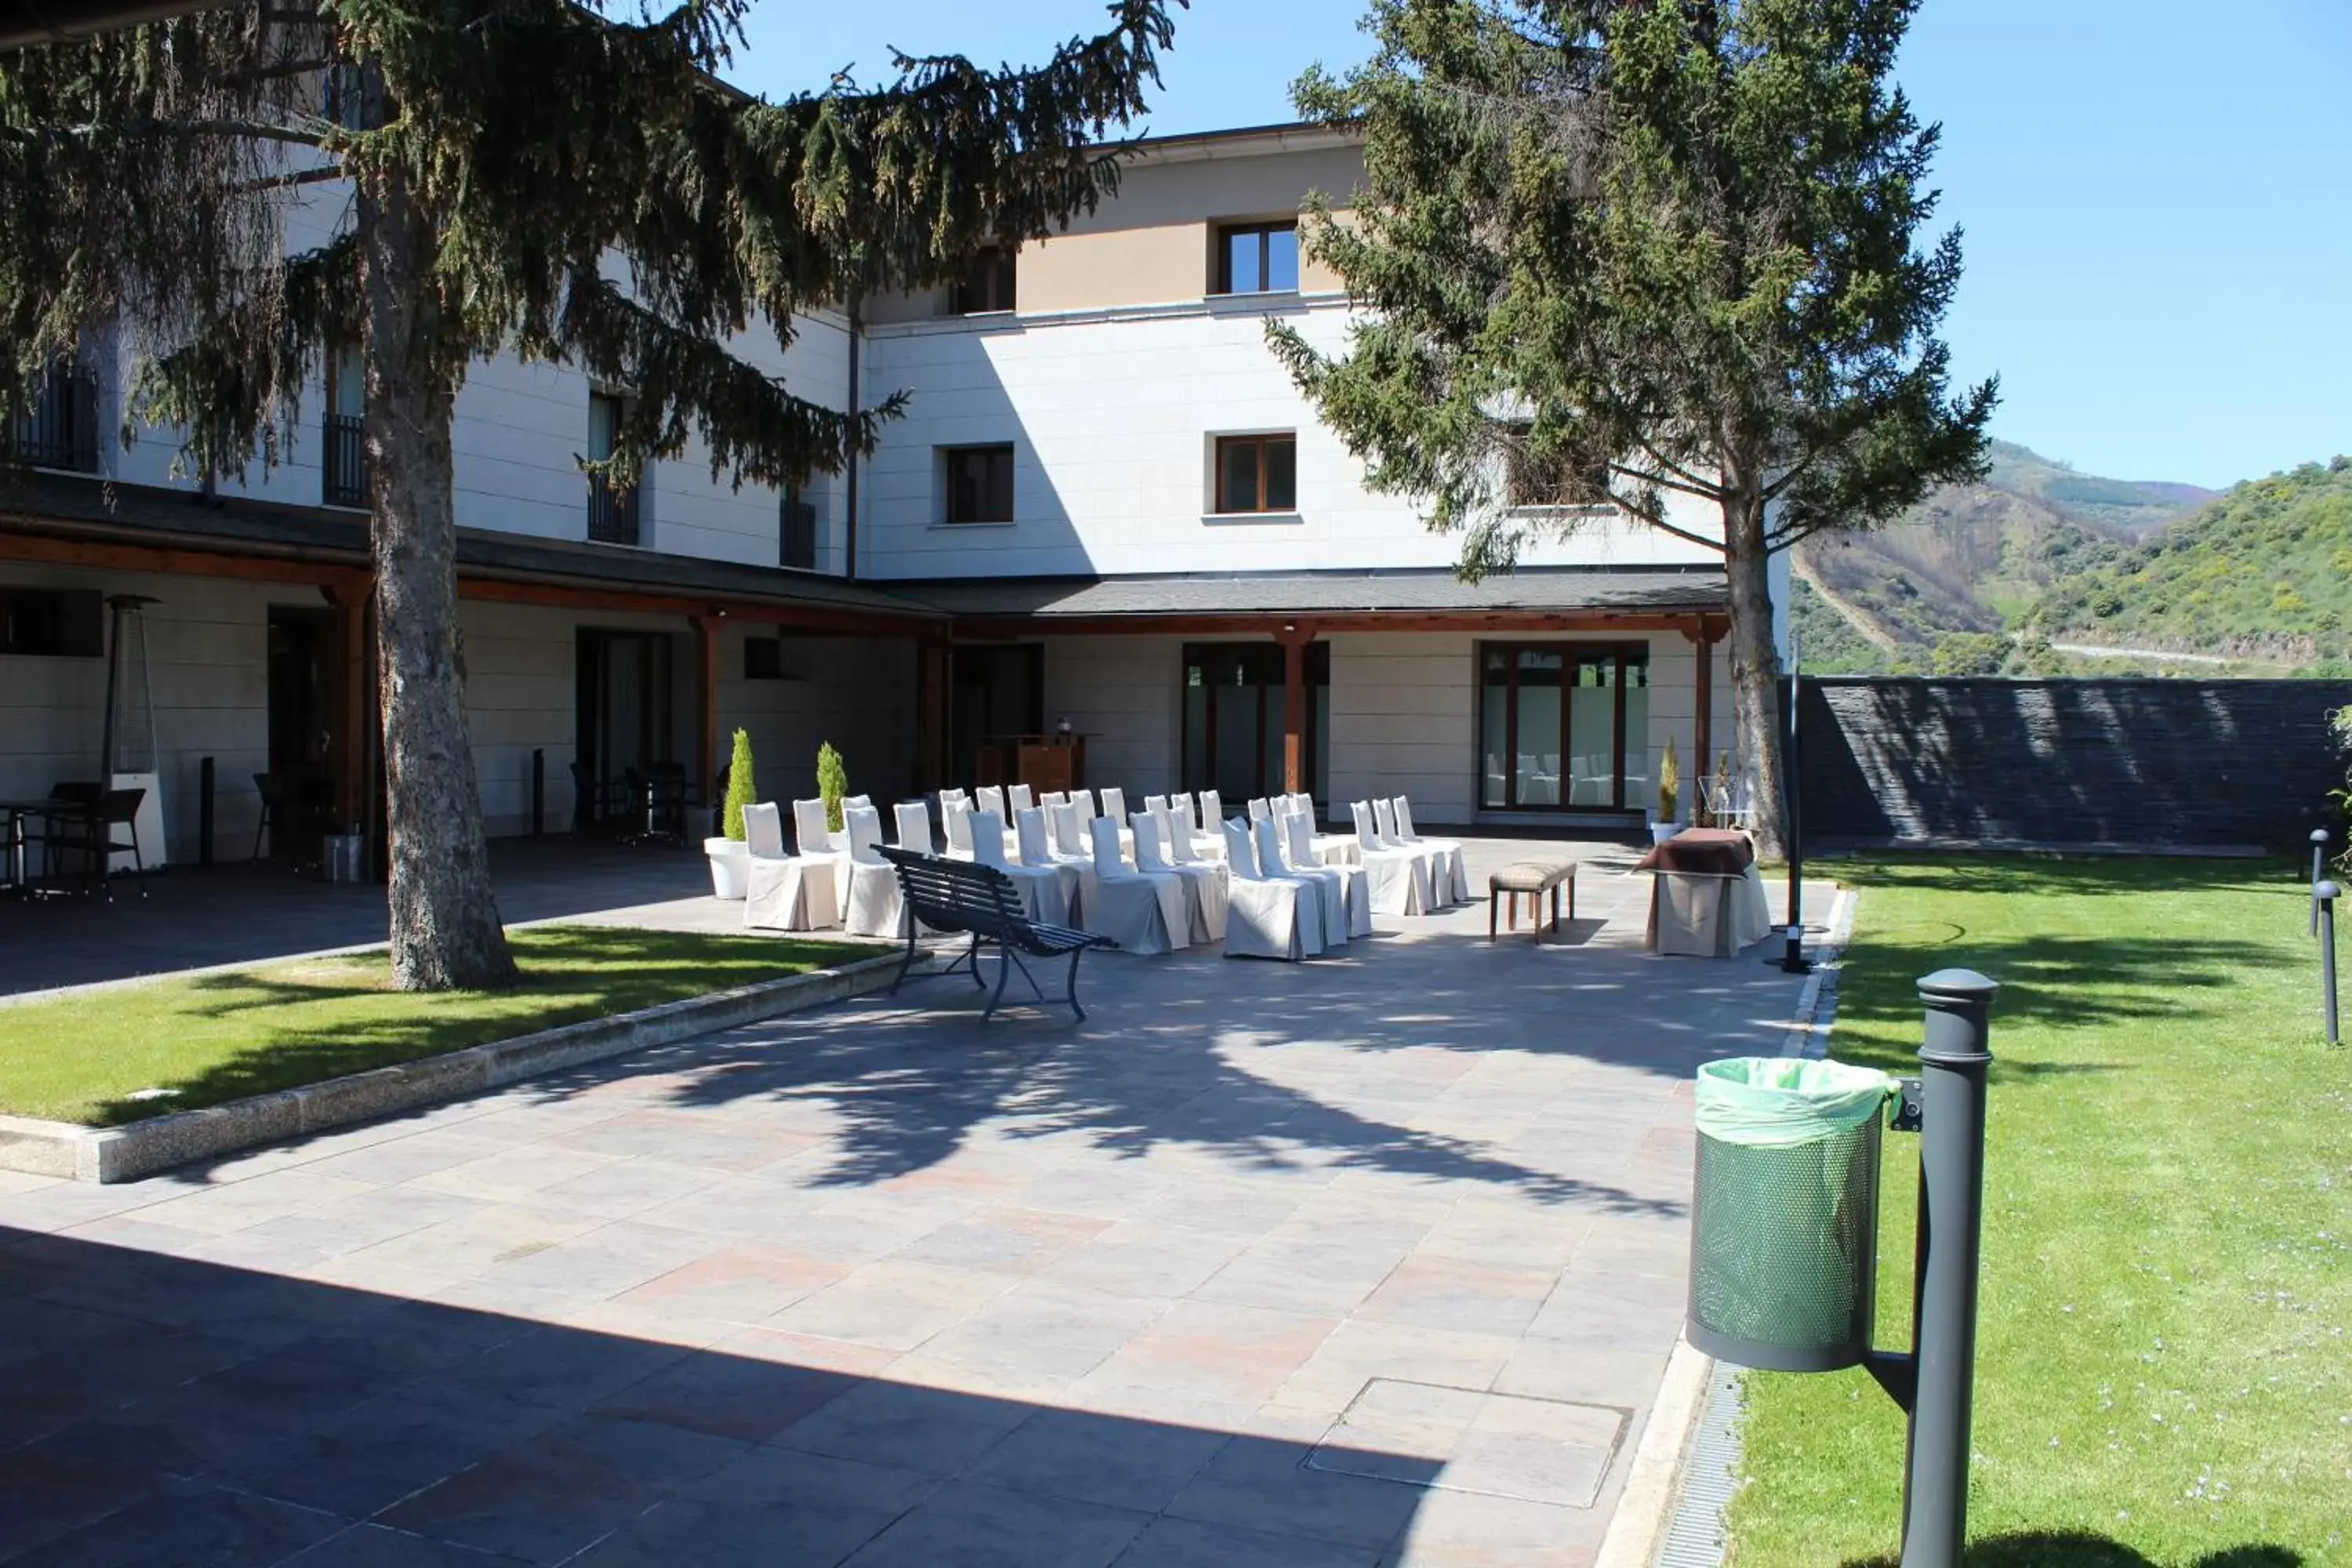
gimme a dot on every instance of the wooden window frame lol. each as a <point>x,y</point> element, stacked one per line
<point>1227,233</point>
<point>796,523</point>
<point>1625,653</point>
<point>952,456</point>
<point>621,511</point>
<point>1262,440</point>
<point>981,268</point>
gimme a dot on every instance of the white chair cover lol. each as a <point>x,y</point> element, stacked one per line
<point>1204,885</point>
<point>1328,887</point>
<point>1084,799</point>
<point>1043,896</point>
<point>1114,806</point>
<point>1438,874</point>
<point>1208,824</point>
<point>815,844</point>
<point>1053,799</point>
<point>1355,886</point>
<point>1264,919</point>
<point>956,812</point>
<point>990,797</point>
<point>1456,889</point>
<point>913,819</point>
<point>1400,879</point>
<point>1017,796</point>
<point>1331,848</point>
<point>841,839</point>
<point>956,793</point>
<point>786,893</point>
<point>1260,811</point>
<point>1037,855</point>
<point>1068,840</point>
<point>1155,803</point>
<point>874,906</point>
<point>1138,913</point>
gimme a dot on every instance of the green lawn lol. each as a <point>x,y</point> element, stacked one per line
<point>2164,1368</point>
<point>219,1037</point>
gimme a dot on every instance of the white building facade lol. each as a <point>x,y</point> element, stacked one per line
<point>1107,504</point>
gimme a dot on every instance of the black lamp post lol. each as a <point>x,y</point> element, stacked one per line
<point>1792,958</point>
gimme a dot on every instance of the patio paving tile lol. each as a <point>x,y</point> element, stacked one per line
<point>198,1527</point>
<point>876,1282</point>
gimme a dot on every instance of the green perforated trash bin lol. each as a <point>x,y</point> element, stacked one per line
<point>1784,1219</point>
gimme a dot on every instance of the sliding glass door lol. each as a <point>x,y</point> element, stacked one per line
<point>1563,726</point>
<point>1236,712</point>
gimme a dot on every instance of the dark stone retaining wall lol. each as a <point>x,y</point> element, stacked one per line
<point>2188,763</point>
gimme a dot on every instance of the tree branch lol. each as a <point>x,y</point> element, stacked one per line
<point>318,176</point>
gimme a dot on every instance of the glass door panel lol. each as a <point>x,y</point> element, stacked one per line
<point>1536,762</point>
<point>1592,730</point>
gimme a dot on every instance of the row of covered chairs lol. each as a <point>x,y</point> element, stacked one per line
<point>1170,876</point>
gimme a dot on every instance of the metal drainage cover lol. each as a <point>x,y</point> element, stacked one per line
<point>1466,1440</point>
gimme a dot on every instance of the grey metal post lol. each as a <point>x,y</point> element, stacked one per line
<point>1954,1060</point>
<point>2318,870</point>
<point>2324,895</point>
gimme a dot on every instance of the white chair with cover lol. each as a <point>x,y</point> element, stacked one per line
<point>1454,892</point>
<point>1045,896</point>
<point>841,839</point>
<point>990,797</point>
<point>1206,816</point>
<point>1331,848</point>
<point>1037,855</point>
<point>819,842</point>
<point>1265,918</point>
<point>1400,880</point>
<point>875,908</point>
<point>1205,904</point>
<point>1017,796</point>
<point>913,820</point>
<point>1329,889</point>
<point>1260,810</point>
<point>1066,835</point>
<point>1298,830</point>
<point>1432,862</point>
<point>955,813</point>
<point>786,893</point>
<point>1084,799</point>
<point>1135,912</point>
<point>1053,799</point>
<point>1182,853</point>
<point>1114,806</point>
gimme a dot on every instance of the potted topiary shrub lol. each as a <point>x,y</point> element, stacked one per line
<point>832,783</point>
<point>1663,825</point>
<point>730,857</point>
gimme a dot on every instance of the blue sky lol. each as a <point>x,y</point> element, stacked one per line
<point>2154,193</point>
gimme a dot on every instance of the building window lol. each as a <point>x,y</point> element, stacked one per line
<point>56,427</point>
<point>796,523</point>
<point>776,659</point>
<point>1257,473</point>
<point>611,508</point>
<point>67,623</point>
<point>980,483</point>
<point>986,283</point>
<point>343,476</point>
<point>1257,258</point>
<point>1563,726</point>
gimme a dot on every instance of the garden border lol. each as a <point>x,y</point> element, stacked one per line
<point>108,1154</point>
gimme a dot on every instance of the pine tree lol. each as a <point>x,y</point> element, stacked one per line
<point>742,790</point>
<point>1624,251</point>
<point>487,175</point>
<point>832,783</point>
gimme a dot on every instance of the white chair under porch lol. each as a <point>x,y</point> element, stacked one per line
<point>786,893</point>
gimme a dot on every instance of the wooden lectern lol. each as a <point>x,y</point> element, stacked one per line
<point>1048,765</point>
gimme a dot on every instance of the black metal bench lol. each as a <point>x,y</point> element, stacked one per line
<point>966,897</point>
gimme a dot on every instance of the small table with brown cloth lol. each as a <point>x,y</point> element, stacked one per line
<point>1531,880</point>
<point>1708,897</point>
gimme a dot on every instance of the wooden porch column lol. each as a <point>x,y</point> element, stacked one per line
<point>706,629</point>
<point>931,743</point>
<point>352,598</point>
<point>1294,640</point>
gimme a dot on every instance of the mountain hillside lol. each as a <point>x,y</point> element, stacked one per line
<point>1972,561</point>
<point>2263,573</point>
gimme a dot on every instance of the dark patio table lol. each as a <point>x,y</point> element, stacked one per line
<point>15,813</point>
<point>1704,852</point>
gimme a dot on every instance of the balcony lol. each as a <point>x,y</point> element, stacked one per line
<point>612,513</point>
<point>59,430</point>
<point>343,477</point>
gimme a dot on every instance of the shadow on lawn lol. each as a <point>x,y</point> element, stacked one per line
<point>569,974</point>
<point>2076,1549</point>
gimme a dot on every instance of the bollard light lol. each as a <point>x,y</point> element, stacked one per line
<point>2318,870</point>
<point>2323,895</point>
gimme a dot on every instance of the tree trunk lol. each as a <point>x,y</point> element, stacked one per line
<point>1756,666</point>
<point>446,934</point>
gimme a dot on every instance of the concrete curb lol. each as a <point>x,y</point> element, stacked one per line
<point>1639,1526</point>
<point>126,1154</point>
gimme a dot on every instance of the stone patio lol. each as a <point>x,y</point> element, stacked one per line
<point>1373,1260</point>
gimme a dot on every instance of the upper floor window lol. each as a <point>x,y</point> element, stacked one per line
<point>57,425</point>
<point>1257,258</point>
<point>986,283</point>
<point>343,477</point>
<point>776,659</point>
<point>1257,473</point>
<point>611,508</point>
<point>980,483</point>
<point>797,525</point>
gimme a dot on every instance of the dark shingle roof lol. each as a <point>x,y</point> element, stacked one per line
<point>1307,592</point>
